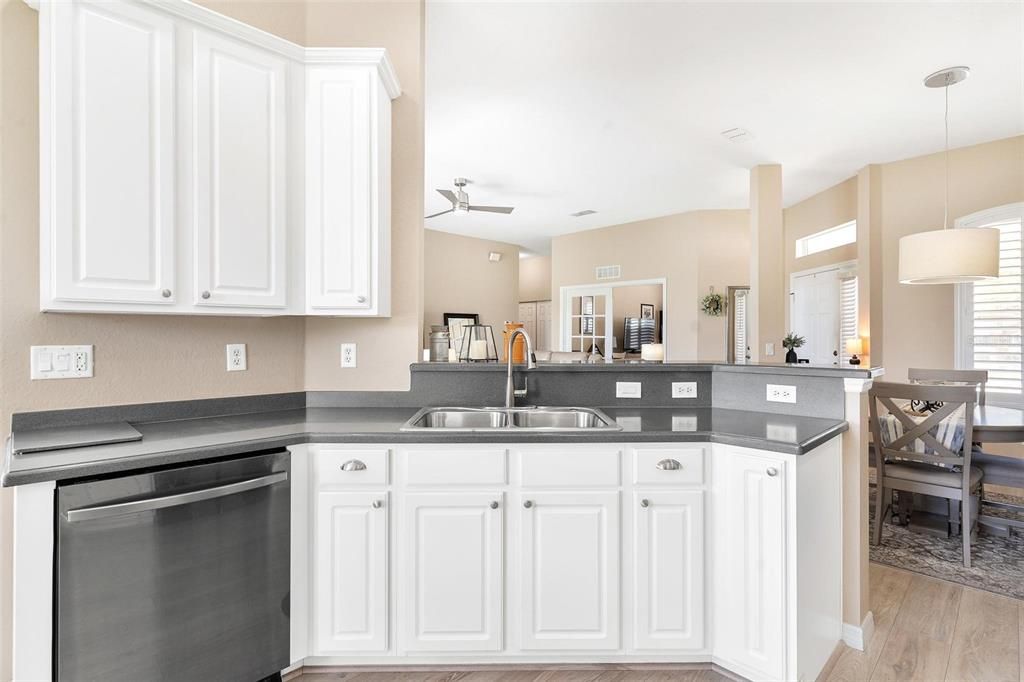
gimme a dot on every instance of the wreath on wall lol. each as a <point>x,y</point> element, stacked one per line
<point>713,304</point>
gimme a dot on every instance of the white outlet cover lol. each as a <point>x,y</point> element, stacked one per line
<point>628,389</point>
<point>684,422</point>
<point>769,348</point>
<point>780,393</point>
<point>236,357</point>
<point>684,389</point>
<point>61,362</point>
<point>348,355</point>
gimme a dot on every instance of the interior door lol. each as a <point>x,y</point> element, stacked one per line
<point>814,314</point>
<point>543,341</point>
<point>240,174</point>
<point>587,320</point>
<point>451,591</point>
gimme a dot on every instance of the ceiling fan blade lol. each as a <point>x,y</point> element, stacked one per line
<point>492,209</point>
<point>450,210</point>
<point>449,195</point>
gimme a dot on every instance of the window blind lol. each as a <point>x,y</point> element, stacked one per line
<point>995,316</point>
<point>740,327</point>
<point>847,315</point>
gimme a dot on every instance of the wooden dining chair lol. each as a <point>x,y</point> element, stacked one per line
<point>978,377</point>
<point>920,455</point>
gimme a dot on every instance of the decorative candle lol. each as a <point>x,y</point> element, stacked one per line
<point>453,355</point>
<point>652,352</point>
<point>478,349</point>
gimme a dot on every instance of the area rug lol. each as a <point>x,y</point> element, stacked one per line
<point>997,564</point>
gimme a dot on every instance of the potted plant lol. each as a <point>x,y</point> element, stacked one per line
<point>791,343</point>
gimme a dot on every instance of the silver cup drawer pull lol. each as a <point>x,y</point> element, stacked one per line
<point>353,465</point>
<point>669,465</point>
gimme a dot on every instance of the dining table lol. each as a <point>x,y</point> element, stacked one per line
<point>998,424</point>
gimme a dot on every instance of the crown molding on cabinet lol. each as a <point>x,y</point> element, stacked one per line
<point>377,56</point>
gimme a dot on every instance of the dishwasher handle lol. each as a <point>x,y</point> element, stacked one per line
<point>153,503</point>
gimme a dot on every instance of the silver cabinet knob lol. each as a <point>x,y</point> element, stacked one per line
<point>377,504</point>
<point>353,465</point>
<point>772,471</point>
<point>166,293</point>
<point>494,505</point>
<point>361,299</point>
<point>645,503</point>
<point>669,465</point>
<point>528,504</point>
<point>206,294</point>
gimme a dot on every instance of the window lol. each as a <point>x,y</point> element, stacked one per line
<point>827,239</point>
<point>847,315</point>
<point>989,313</point>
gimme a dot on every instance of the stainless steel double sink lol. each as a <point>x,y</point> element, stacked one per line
<point>516,419</point>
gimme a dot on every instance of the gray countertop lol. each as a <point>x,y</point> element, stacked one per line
<point>185,440</point>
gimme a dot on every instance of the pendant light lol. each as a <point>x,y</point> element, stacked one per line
<point>949,256</point>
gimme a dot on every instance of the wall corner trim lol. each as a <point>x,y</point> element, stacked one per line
<point>857,637</point>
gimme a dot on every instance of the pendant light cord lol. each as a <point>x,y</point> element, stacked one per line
<point>945,192</point>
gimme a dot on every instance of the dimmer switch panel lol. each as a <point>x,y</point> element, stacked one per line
<point>61,362</point>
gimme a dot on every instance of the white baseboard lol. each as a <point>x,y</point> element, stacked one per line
<point>857,637</point>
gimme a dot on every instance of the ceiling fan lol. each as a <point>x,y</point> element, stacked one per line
<point>460,201</point>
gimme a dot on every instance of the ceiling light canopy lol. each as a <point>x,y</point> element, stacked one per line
<point>949,256</point>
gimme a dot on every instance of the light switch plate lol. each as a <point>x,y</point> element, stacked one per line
<point>61,362</point>
<point>684,389</point>
<point>780,393</point>
<point>628,389</point>
<point>769,348</point>
<point>236,357</point>
<point>348,355</point>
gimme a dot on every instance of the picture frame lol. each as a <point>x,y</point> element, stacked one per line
<point>455,322</point>
<point>646,311</point>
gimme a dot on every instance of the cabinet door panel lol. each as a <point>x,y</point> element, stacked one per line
<point>350,597</point>
<point>669,570</point>
<point>339,212</point>
<point>452,565</point>
<point>240,99</point>
<point>750,586</point>
<point>569,575</point>
<point>108,155</point>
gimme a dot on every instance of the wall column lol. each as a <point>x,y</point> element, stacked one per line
<point>767,300</point>
<point>869,262</point>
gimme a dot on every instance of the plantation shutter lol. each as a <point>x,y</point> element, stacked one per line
<point>847,315</point>
<point>740,327</point>
<point>995,316</point>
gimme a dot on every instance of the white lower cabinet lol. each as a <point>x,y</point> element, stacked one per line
<point>451,577</point>
<point>350,604</point>
<point>668,602</point>
<point>610,553</point>
<point>569,570</point>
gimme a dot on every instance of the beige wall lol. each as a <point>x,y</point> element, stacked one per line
<point>768,287</point>
<point>693,251</point>
<point>834,206</point>
<point>385,346</point>
<point>535,278</point>
<point>459,278</point>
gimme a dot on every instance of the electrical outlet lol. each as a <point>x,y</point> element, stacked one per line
<point>60,362</point>
<point>781,393</point>
<point>684,389</point>
<point>628,389</point>
<point>348,355</point>
<point>684,422</point>
<point>769,348</point>
<point>237,361</point>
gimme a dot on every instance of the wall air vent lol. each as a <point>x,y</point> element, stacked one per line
<point>736,134</point>
<point>580,214</point>
<point>608,271</point>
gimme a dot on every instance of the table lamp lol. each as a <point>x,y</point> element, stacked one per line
<point>854,347</point>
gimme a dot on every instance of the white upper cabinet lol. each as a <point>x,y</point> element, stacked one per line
<point>240,162</point>
<point>107,141</point>
<point>184,167</point>
<point>348,159</point>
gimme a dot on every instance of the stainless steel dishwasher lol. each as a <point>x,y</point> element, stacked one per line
<point>175,574</point>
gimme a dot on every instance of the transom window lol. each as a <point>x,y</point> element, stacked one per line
<point>827,239</point>
<point>989,319</point>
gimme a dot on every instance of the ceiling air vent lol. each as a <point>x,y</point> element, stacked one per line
<point>580,214</point>
<point>608,271</point>
<point>736,134</point>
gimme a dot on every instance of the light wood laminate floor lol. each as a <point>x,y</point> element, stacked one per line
<point>925,629</point>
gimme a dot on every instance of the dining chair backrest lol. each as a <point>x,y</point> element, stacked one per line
<point>978,377</point>
<point>941,438</point>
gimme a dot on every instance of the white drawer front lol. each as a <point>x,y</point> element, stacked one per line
<point>350,466</point>
<point>575,468</point>
<point>668,466</point>
<point>454,466</point>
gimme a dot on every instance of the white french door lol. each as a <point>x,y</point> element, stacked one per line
<point>587,320</point>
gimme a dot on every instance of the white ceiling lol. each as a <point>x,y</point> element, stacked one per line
<point>554,107</point>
